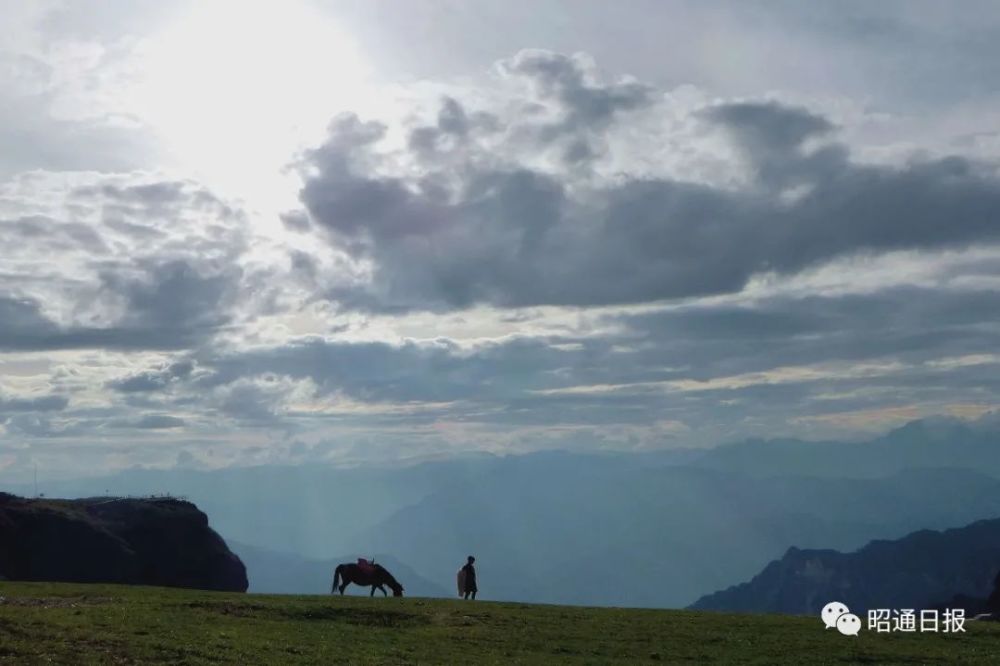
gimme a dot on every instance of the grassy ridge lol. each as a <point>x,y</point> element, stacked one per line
<point>107,624</point>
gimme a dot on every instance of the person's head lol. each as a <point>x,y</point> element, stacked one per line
<point>471,559</point>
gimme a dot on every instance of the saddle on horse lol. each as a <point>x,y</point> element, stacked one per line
<point>367,566</point>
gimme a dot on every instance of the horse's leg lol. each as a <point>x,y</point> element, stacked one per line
<point>384,593</point>
<point>373,590</point>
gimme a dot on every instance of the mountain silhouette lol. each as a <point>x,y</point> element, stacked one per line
<point>921,570</point>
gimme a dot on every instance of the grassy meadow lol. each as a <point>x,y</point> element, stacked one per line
<point>42,623</point>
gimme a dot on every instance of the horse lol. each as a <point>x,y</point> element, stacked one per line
<point>376,577</point>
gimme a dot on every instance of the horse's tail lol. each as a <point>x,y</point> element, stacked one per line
<point>336,578</point>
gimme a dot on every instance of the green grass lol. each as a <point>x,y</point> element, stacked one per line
<point>108,624</point>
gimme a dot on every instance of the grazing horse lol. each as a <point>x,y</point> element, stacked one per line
<point>376,577</point>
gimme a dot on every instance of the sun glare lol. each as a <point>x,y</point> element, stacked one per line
<point>234,88</point>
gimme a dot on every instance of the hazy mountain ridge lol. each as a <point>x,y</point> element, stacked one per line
<point>940,442</point>
<point>647,529</point>
<point>675,533</point>
<point>921,570</point>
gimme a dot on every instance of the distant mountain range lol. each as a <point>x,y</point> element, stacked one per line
<point>659,536</point>
<point>924,569</point>
<point>941,443</point>
<point>637,529</point>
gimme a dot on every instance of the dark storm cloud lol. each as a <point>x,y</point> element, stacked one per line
<point>510,235</point>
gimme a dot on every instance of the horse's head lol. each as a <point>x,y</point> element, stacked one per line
<point>397,589</point>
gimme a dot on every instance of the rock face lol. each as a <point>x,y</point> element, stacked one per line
<point>924,569</point>
<point>104,540</point>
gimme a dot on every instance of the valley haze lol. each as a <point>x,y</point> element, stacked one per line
<point>657,529</point>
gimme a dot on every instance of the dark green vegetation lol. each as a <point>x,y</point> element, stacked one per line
<point>84,624</point>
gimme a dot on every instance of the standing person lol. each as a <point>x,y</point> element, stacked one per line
<point>470,578</point>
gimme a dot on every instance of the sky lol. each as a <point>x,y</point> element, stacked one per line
<point>335,232</point>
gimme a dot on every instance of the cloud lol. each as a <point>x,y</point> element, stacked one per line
<point>171,301</point>
<point>559,258</point>
<point>53,93</point>
<point>153,380</point>
<point>163,314</point>
<point>710,364</point>
<point>382,372</point>
<point>158,422</point>
<point>907,323</point>
<point>48,403</point>
<point>772,137</point>
<point>582,105</point>
<point>464,215</point>
<point>142,263</point>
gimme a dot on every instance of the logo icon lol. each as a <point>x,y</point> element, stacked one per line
<point>849,624</point>
<point>831,612</point>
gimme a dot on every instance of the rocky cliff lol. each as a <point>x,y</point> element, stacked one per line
<point>153,541</point>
